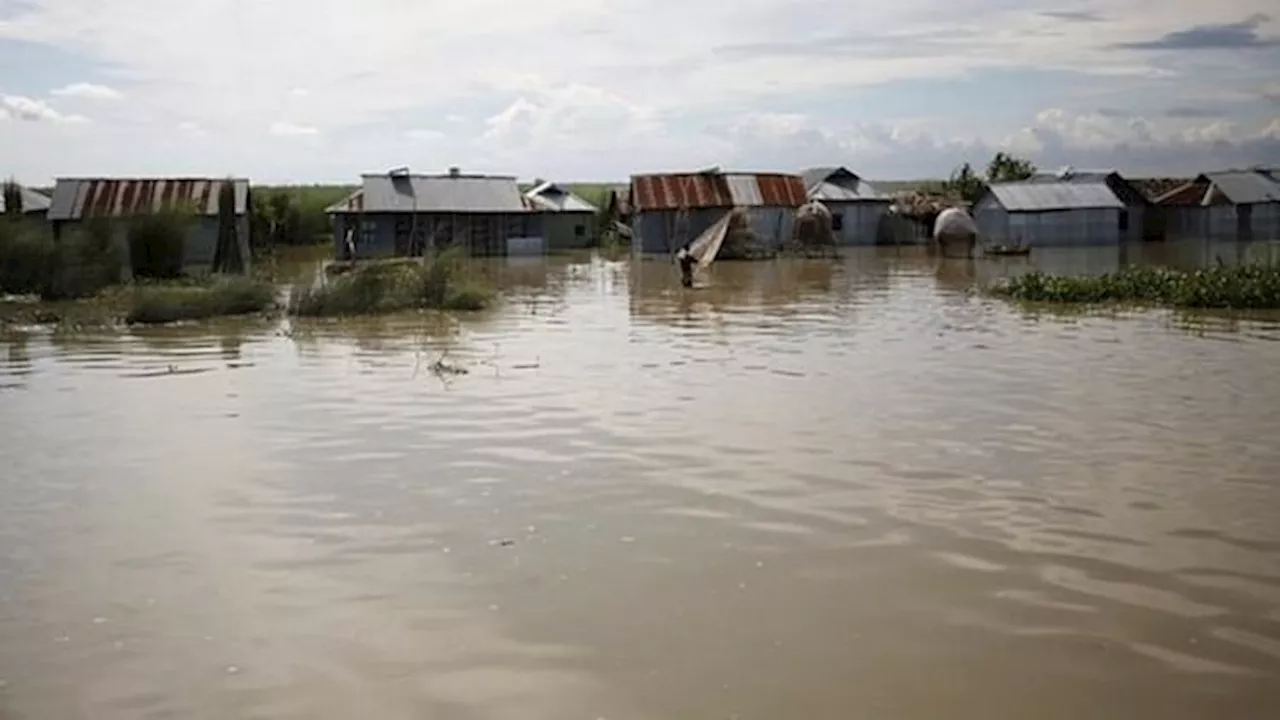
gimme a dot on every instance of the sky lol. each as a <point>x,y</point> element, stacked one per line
<point>302,91</point>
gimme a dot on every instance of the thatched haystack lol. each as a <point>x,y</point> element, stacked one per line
<point>955,230</point>
<point>813,226</point>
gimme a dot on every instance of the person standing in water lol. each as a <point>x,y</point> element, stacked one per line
<point>687,262</point>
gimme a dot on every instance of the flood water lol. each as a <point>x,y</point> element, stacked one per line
<point>810,490</point>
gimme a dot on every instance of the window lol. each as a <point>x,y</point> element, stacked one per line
<point>837,222</point>
<point>1124,221</point>
<point>579,230</point>
<point>368,231</point>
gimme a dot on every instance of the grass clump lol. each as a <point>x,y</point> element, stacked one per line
<point>1238,287</point>
<point>438,283</point>
<point>154,304</point>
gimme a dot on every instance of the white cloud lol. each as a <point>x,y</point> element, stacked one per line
<point>604,89</point>
<point>422,135</point>
<point>32,110</point>
<point>88,91</point>
<point>289,129</point>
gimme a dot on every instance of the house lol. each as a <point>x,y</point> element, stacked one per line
<point>401,214</point>
<point>567,221</point>
<point>1235,205</point>
<point>1051,214</point>
<point>80,200</point>
<point>34,204</point>
<point>856,207</point>
<point>669,210</point>
<point>1142,223</point>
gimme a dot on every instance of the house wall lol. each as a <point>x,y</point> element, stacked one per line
<point>860,221</point>
<point>560,229</point>
<point>656,231</point>
<point>391,234</point>
<point>1221,223</point>
<point>1054,228</point>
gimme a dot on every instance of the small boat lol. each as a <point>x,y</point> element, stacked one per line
<point>1007,250</point>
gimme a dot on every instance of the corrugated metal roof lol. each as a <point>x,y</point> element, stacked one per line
<point>77,198</point>
<point>1244,187</point>
<point>716,190</point>
<point>440,193</point>
<point>352,203</point>
<point>1033,196</point>
<point>32,201</point>
<point>551,197</point>
<point>839,184</point>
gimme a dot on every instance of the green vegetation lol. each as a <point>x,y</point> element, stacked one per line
<point>1239,287</point>
<point>292,215</point>
<point>12,199</point>
<point>157,244</point>
<point>225,296</point>
<point>437,283</point>
<point>80,264</point>
<point>966,184</point>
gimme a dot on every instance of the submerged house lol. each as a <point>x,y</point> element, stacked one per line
<point>34,204</point>
<point>669,210</point>
<point>1235,205</point>
<point>1140,219</point>
<point>567,221</point>
<point>856,207</point>
<point>1051,214</point>
<point>400,214</point>
<point>77,201</point>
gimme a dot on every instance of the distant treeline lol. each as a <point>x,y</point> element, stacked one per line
<point>293,214</point>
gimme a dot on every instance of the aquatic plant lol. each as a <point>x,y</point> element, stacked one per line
<point>438,283</point>
<point>163,303</point>
<point>1252,286</point>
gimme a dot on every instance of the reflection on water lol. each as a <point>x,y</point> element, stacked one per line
<point>808,489</point>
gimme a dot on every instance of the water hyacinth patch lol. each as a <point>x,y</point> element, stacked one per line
<point>1239,287</point>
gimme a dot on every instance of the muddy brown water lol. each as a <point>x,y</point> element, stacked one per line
<point>808,490</point>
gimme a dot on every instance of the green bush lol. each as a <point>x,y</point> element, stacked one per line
<point>80,264</point>
<point>389,287</point>
<point>170,303</point>
<point>1239,287</point>
<point>156,244</point>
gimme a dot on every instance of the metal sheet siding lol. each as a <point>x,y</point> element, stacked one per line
<point>859,221</point>
<point>1057,228</point>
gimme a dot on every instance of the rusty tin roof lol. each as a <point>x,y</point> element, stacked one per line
<point>79,198</point>
<point>716,190</point>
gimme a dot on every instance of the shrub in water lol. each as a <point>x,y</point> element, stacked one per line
<point>156,244</point>
<point>388,287</point>
<point>171,303</point>
<point>78,265</point>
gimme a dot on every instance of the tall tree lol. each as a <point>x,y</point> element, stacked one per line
<point>966,183</point>
<point>12,199</point>
<point>226,254</point>
<point>1007,168</point>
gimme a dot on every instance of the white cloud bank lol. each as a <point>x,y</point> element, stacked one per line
<point>32,110</point>
<point>592,90</point>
